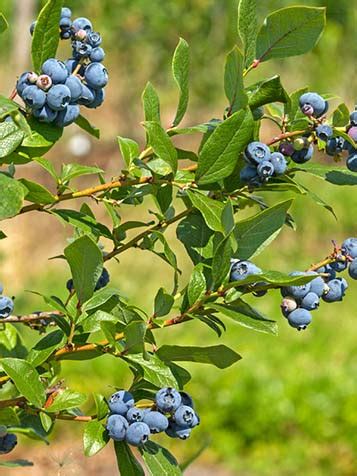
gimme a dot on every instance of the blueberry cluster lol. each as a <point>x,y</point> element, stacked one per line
<point>336,145</point>
<point>55,96</point>
<point>8,441</point>
<point>101,283</point>
<point>262,164</point>
<point>6,304</point>
<point>172,412</point>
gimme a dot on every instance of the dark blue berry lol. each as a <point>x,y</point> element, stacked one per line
<point>279,163</point>
<point>156,421</point>
<point>352,269</point>
<point>167,400</point>
<point>352,162</point>
<point>96,75</point>
<point>117,426</point>
<point>34,97</point>
<point>312,104</point>
<point>56,70</point>
<point>137,434</point>
<point>257,152</point>
<point>240,270</point>
<point>349,247</point>
<point>120,402</point>
<point>324,132</point>
<point>299,319</point>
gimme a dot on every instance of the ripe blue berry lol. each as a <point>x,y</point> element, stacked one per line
<point>353,118</point>
<point>22,83</point>
<point>265,170</point>
<point>82,24</point>
<point>317,285</point>
<point>137,434</point>
<point>6,306</point>
<point>66,13</point>
<point>186,399</point>
<point>71,65</point>
<point>324,132</point>
<point>257,152</point>
<point>7,443</point>
<point>99,95</point>
<point>327,270</point>
<point>349,247</point>
<point>310,302</point>
<point>312,104</point>
<point>96,75</point>
<point>304,155</point>
<point>74,84</point>
<point>242,269</point>
<point>103,280</point>
<point>352,269</point>
<point>288,305</point>
<point>335,291</point>
<point>59,97</point>
<point>97,55</point>
<point>339,266</point>
<point>34,97</point>
<point>56,70</point>
<point>299,319</point>
<point>352,162</point>
<point>176,431</point>
<point>117,426</point>
<point>167,400</point>
<point>94,39</point>
<point>65,34</point>
<point>279,163</point>
<point>88,96</point>
<point>156,421</point>
<point>120,402</point>
<point>297,292</point>
<point>186,417</point>
<point>335,146</point>
<point>46,114</point>
<point>65,23</point>
<point>81,50</point>
<point>248,173</point>
<point>68,115</point>
<point>135,414</point>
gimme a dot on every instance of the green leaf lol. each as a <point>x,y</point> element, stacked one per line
<point>48,166</point>
<point>228,217</point>
<point>37,193</point>
<point>128,465</point>
<point>101,406</point>
<point>341,116</point>
<point>95,438</point>
<point>8,416</point>
<point>273,279</point>
<point>268,91</point>
<point>163,303</point>
<point>71,171</point>
<point>99,298</point>
<point>221,151</point>
<point>254,234</point>
<point>10,138</point>
<point>45,37</point>
<point>161,144</point>
<point>243,314</point>
<point>330,174</point>
<point>180,70</point>
<point>159,460</point>
<point>84,124</point>
<point>66,400</point>
<point>247,29</point>
<point>26,380</point>
<point>16,463</point>
<point>152,370</point>
<point>196,286</point>
<point>3,23</point>
<point>7,106</point>
<point>46,422</point>
<point>218,355</point>
<point>129,149</point>
<point>86,262</point>
<point>221,261</point>
<point>43,137</point>
<point>193,232</point>
<point>134,337</point>
<point>21,122</point>
<point>11,196</point>
<point>45,347</point>
<point>233,81</point>
<point>83,222</point>
<point>210,209</point>
<point>151,104</point>
<point>290,31</point>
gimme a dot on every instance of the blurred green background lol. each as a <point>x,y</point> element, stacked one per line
<point>290,406</point>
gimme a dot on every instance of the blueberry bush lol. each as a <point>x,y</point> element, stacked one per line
<point>208,194</point>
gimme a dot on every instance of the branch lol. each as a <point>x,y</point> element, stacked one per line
<point>37,316</point>
<point>286,135</point>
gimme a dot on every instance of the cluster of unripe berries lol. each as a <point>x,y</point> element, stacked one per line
<point>55,96</point>
<point>299,301</point>
<point>101,283</point>
<point>8,441</point>
<point>172,412</point>
<point>6,304</point>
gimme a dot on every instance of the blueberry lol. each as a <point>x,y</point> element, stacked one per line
<point>71,65</point>
<point>22,83</point>
<point>56,70</point>
<point>168,400</point>
<point>99,96</point>
<point>96,75</point>
<point>81,50</point>
<point>349,247</point>
<point>7,443</point>
<point>66,13</point>
<point>288,305</point>
<point>312,104</point>
<point>265,170</point>
<point>34,97</point>
<point>248,173</point>
<point>137,434</point>
<point>46,114</point>
<point>298,292</point>
<point>242,269</point>
<point>299,319</point>
<point>353,118</point>
<point>65,23</point>
<point>103,280</point>
<point>156,421</point>
<point>302,156</point>
<point>257,152</point>
<point>327,270</point>
<point>44,82</point>
<point>65,34</point>
<point>97,55</point>
<point>286,148</point>
<point>317,285</point>
<point>352,132</point>
<point>88,95</point>
<point>352,162</point>
<point>324,132</point>
<point>310,302</point>
<point>75,86</point>
<point>68,115</point>
<point>186,417</point>
<point>6,306</point>
<point>352,269</point>
<point>344,284</point>
<point>117,427</point>
<point>334,146</point>
<point>339,266</point>
<point>279,163</point>
<point>186,399</point>
<point>120,402</point>
<point>94,39</point>
<point>70,285</point>
<point>82,24</point>
<point>59,97</point>
<point>176,431</point>
<point>335,292</point>
<point>32,27</point>
<point>135,414</point>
